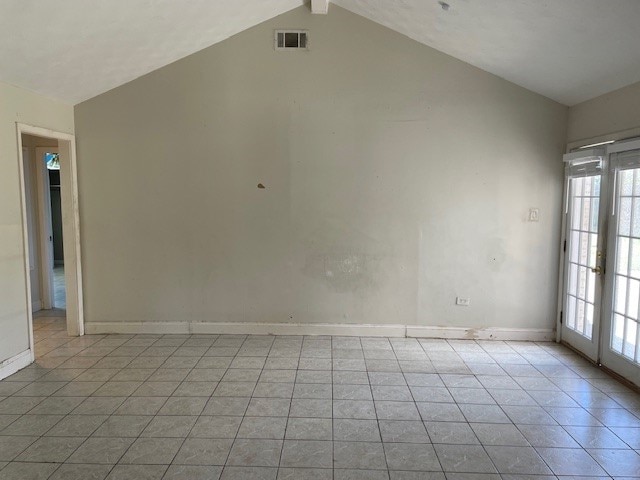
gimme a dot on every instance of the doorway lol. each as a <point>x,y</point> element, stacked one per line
<point>600,307</point>
<point>51,226</point>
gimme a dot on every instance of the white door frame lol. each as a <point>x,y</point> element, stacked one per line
<point>70,226</point>
<point>45,242</point>
<point>592,161</point>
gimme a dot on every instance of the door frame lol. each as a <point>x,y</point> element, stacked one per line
<point>586,155</point>
<point>70,226</point>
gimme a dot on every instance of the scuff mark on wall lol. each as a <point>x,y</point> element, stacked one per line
<point>346,272</point>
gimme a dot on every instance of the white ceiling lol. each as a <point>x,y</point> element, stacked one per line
<point>73,50</point>
<point>568,50</point>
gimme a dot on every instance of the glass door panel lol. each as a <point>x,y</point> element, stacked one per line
<point>583,284</point>
<point>621,334</point>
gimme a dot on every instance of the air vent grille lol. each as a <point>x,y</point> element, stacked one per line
<point>292,40</point>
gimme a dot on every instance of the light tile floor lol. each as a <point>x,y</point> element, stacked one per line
<point>262,407</point>
<point>59,291</point>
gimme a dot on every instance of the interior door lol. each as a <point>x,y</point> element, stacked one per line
<point>620,329</point>
<point>584,258</point>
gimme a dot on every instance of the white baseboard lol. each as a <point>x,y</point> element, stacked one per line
<point>15,363</point>
<point>489,333</point>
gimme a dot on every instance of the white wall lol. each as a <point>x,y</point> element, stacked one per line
<point>615,112</point>
<point>396,178</point>
<point>17,105</point>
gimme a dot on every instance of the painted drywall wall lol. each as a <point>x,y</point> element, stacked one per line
<point>395,179</point>
<point>618,111</point>
<point>18,105</point>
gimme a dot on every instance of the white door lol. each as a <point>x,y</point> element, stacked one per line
<point>584,258</point>
<point>620,330</point>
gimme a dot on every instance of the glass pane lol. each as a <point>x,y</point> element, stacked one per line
<point>571,313</point>
<point>577,186</point>
<point>617,333</point>
<point>595,208</point>
<point>584,249</point>
<point>575,214</point>
<point>629,346</point>
<point>573,246</point>
<point>585,221</point>
<point>621,294</point>
<point>591,287</point>
<point>588,322</point>
<point>580,313</point>
<point>626,182</point>
<point>573,279</point>
<point>596,186</point>
<point>582,282</point>
<point>624,217</point>
<point>633,294</point>
<point>622,260</point>
<point>635,258</point>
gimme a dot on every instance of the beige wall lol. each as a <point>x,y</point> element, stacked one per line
<point>396,178</point>
<point>614,112</point>
<point>17,105</point>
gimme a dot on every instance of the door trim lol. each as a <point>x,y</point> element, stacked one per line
<point>70,226</point>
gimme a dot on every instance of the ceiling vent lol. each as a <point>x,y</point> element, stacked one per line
<point>292,40</point>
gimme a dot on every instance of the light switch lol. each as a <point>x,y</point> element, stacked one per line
<point>534,214</point>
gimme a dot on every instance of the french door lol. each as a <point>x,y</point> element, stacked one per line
<point>584,257</point>
<point>601,296</point>
<point>621,335</point>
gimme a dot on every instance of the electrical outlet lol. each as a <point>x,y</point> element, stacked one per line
<point>463,301</point>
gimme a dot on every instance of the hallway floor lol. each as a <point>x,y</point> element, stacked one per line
<point>199,407</point>
<point>59,292</point>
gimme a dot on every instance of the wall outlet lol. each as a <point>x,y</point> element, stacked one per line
<point>534,214</point>
<point>463,301</point>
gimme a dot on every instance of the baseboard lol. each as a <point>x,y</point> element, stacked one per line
<point>242,328</point>
<point>489,333</point>
<point>486,333</point>
<point>15,363</point>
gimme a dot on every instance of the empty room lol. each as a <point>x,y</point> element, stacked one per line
<point>319,240</point>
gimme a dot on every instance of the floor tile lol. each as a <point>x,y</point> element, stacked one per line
<point>464,459</point>
<point>359,455</point>
<point>517,460</point>
<point>409,456</point>
<point>27,471</point>
<point>307,454</point>
<point>152,451</point>
<point>203,451</point>
<point>255,453</point>
<point>309,429</point>
<point>101,450</point>
<point>570,461</point>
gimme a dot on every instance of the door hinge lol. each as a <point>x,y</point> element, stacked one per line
<point>560,317</point>
<point>564,248</point>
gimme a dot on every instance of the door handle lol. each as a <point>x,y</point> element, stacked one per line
<point>597,270</point>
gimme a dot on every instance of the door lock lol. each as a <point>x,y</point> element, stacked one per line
<point>597,270</point>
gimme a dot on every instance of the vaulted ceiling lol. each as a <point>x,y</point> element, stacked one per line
<point>568,50</point>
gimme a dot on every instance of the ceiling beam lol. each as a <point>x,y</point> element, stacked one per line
<point>320,7</point>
